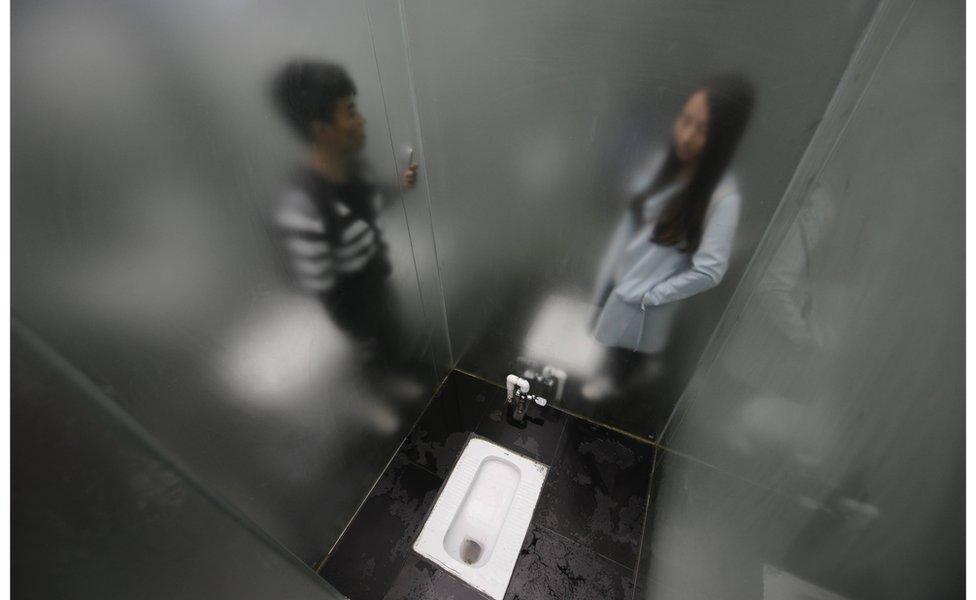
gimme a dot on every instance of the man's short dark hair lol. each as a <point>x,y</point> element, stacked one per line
<point>307,91</point>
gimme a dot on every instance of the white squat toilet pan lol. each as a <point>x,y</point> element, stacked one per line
<point>476,527</point>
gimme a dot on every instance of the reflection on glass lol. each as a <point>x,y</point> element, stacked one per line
<point>327,215</point>
<point>797,312</point>
<point>675,238</point>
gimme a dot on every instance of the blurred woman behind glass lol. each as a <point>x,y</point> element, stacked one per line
<point>675,239</point>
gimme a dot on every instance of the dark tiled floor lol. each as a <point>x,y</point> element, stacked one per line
<point>597,490</point>
<point>372,550</point>
<point>551,567</point>
<point>539,439</point>
<point>420,579</point>
<point>584,536</point>
<point>439,436</point>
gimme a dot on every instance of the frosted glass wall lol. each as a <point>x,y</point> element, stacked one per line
<point>819,452</point>
<point>147,156</point>
<point>540,120</point>
<point>98,512</point>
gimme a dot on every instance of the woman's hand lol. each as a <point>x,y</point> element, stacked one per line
<point>408,178</point>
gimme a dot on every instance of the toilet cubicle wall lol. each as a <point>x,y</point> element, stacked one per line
<point>145,152</point>
<point>146,155</point>
<point>819,451</point>
<point>100,510</point>
<point>539,118</point>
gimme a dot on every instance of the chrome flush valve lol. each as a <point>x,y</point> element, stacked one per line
<point>518,399</point>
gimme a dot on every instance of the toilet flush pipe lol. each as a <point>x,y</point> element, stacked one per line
<point>513,381</point>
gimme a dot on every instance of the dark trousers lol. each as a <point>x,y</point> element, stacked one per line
<point>622,365</point>
<point>366,311</point>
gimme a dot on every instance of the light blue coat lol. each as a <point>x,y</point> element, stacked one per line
<point>640,282</point>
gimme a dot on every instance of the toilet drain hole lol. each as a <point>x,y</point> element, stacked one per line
<point>470,551</point>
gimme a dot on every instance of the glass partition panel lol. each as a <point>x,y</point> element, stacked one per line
<point>821,452</point>
<point>574,227</point>
<point>208,220</point>
<point>98,512</point>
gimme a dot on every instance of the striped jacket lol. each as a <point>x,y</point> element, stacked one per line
<point>329,234</point>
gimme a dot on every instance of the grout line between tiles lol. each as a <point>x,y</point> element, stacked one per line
<point>582,545</point>
<point>421,467</point>
<point>617,430</point>
<point>643,530</point>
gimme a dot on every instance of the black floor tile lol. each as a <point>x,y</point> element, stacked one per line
<point>551,567</point>
<point>596,493</point>
<point>539,439</point>
<point>587,527</point>
<point>471,388</point>
<point>372,551</point>
<point>422,580</point>
<point>439,436</point>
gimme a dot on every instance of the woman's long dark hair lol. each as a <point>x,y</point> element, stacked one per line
<point>730,101</point>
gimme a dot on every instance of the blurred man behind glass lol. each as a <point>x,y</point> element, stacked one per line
<point>326,219</point>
